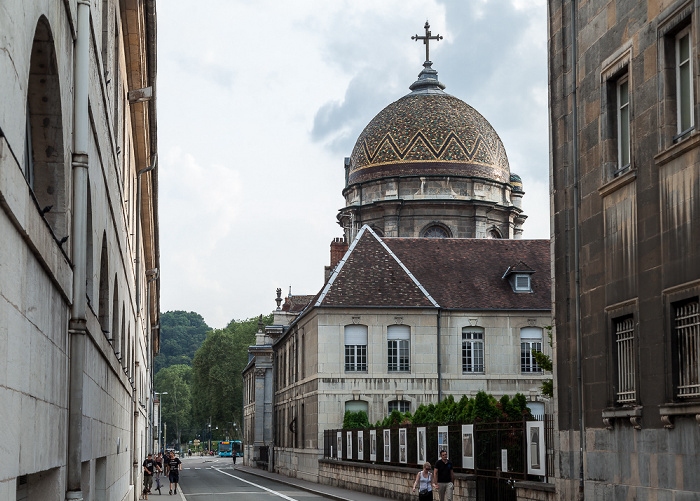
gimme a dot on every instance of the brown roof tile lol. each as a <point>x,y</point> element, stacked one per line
<point>457,273</point>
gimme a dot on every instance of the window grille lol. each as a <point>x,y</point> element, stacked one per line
<point>688,348</point>
<point>624,339</point>
<point>472,351</point>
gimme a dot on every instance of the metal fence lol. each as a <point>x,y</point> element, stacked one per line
<point>490,440</point>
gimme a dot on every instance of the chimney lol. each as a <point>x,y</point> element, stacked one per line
<point>338,249</point>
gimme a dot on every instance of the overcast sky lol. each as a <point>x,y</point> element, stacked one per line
<point>259,101</point>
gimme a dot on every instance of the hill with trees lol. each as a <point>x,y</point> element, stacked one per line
<point>181,335</point>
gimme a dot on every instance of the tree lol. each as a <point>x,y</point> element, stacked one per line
<point>217,373</point>
<point>181,334</point>
<point>546,364</point>
<point>177,404</point>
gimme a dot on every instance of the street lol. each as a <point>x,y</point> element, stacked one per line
<point>215,479</point>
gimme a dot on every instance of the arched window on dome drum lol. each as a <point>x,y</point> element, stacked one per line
<point>435,231</point>
<point>493,233</point>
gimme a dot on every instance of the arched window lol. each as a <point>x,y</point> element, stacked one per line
<point>355,348</point>
<point>472,349</point>
<point>356,406</point>
<point>399,348</point>
<point>436,231</point>
<point>44,155</point>
<point>103,307</point>
<point>493,233</point>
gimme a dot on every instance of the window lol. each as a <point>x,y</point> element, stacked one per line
<point>625,363</point>
<point>399,339</point>
<point>355,348</point>
<point>399,405</point>
<point>435,231</point>
<point>530,340</point>
<point>357,406</point>
<point>623,125</point>
<point>684,84</point>
<point>522,282</point>
<point>687,339</point>
<point>472,349</point>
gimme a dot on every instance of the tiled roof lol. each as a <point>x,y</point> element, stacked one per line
<point>295,304</point>
<point>456,273</point>
<point>423,134</point>
<point>371,276</point>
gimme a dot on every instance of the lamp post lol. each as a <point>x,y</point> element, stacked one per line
<point>209,446</point>
<point>160,419</point>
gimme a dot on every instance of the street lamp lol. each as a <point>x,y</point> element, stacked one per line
<point>160,419</point>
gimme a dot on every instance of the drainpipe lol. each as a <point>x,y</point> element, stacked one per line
<point>577,280</point>
<point>78,324</point>
<point>138,231</point>
<point>153,273</point>
<point>439,356</point>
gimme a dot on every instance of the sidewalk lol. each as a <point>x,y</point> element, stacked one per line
<point>327,491</point>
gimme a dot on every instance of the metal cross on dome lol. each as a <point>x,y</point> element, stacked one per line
<point>426,40</point>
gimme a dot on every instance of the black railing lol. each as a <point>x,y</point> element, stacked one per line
<point>489,442</point>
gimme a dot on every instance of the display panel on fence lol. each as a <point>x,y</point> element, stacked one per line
<point>443,443</point>
<point>340,445</point>
<point>535,448</point>
<point>468,446</point>
<point>387,446</point>
<point>420,441</point>
<point>360,445</point>
<point>403,456</point>
<point>372,445</point>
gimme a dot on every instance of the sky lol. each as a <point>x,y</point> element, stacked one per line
<point>259,102</point>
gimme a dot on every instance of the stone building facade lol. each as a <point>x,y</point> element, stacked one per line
<point>403,322</point>
<point>79,258</point>
<point>626,245</point>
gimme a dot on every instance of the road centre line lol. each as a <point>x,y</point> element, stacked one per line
<point>256,485</point>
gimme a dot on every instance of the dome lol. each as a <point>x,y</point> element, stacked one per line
<point>428,132</point>
<point>516,182</point>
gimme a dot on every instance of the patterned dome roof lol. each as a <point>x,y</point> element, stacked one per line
<point>428,132</point>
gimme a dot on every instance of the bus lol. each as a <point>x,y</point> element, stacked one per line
<point>230,448</point>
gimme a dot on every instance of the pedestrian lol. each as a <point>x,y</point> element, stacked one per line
<point>149,466</point>
<point>424,482</point>
<point>159,471</point>
<point>445,477</point>
<point>174,467</point>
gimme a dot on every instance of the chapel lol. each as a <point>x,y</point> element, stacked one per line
<point>430,293</point>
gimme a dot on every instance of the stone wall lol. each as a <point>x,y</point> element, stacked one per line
<point>385,481</point>
<point>397,483</point>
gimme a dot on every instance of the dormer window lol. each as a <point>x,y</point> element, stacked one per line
<point>519,277</point>
<point>522,282</point>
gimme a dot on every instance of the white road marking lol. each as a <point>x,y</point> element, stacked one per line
<point>256,485</point>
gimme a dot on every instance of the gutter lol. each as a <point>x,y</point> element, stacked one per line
<point>77,330</point>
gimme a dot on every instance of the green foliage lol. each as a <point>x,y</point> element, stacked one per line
<point>545,363</point>
<point>217,382</point>
<point>481,408</point>
<point>357,419</point>
<point>181,334</point>
<point>177,404</point>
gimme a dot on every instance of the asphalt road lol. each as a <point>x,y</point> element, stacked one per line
<point>215,479</point>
